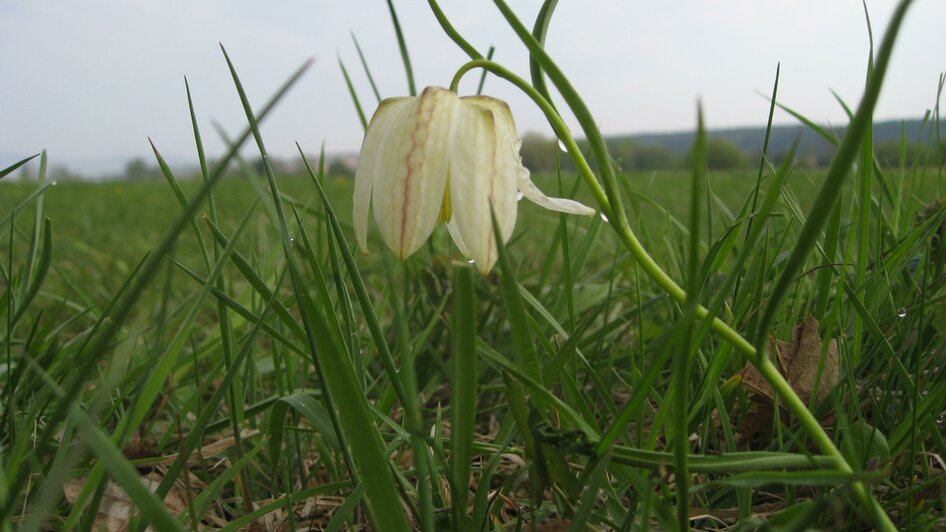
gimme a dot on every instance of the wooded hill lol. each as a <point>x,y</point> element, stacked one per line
<point>740,147</point>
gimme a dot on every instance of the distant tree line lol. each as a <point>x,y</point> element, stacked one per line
<point>726,150</point>
<point>539,153</point>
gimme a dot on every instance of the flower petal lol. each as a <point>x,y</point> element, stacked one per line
<point>380,126</point>
<point>507,132</point>
<point>484,163</point>
<point>529,190</point>
<point>410,168</point>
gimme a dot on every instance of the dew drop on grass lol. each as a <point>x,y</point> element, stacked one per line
<point>605,218</point>
<point>902,313</point>
<point>471,261</point>
<point>519,196</point>
<point>54,183</point>
<point>561,146</point>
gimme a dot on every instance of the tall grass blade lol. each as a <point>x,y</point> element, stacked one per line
<point>353,94</point>
<point>364,65</point>
<point>12,168</point>
<point>405,57</point>
<point>464,388</point>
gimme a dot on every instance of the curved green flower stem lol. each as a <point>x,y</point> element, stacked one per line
<point>618,219</point>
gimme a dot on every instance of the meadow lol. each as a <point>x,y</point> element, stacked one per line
<point>755,349</point>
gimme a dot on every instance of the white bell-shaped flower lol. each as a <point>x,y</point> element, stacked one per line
<point>438,157</point>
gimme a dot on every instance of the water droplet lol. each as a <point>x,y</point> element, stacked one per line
<point>292,239</point>
<point>471,261</point>
<point>561,146</point>
<point>605,218</point>
<point>54,183</point>
<point>519,196</point>
<point>902,313</point>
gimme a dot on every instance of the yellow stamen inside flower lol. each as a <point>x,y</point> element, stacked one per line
<point>446,211</point>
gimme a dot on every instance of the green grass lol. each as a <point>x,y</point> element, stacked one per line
<point>574,385</point>
<point>621,325</point>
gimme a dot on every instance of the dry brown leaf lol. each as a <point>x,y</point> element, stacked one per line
<point>804,358</point>
<point>211,449</point>
<point>116,507</point>
<point>798,361</point>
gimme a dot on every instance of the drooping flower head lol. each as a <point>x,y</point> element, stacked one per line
<point>440,158</point>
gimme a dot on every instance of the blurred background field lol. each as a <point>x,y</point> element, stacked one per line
<point>102,229</point>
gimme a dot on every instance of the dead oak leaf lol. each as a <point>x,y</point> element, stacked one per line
<point>800,361</point>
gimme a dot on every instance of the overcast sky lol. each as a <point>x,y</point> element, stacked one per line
<point>91,80</point>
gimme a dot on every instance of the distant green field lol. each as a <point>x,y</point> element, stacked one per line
<point>102,229</point>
